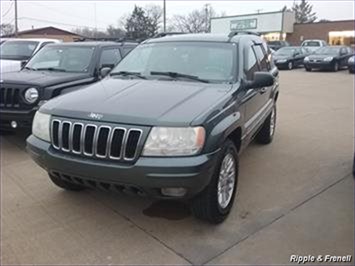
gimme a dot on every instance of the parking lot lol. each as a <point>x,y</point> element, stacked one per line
<point>295,196</point>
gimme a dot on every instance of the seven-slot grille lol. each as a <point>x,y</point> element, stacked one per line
<point>9,97</point>
<point>99,141</point>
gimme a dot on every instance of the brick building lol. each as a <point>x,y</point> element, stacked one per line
<point>47,32</point>
<point>333,32</point>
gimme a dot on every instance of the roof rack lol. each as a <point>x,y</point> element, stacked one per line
<point>123,40</point>
<point>163,34</point>
<point>234,33</point>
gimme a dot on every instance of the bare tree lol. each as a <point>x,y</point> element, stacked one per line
<point>6,29</point>
<point>196,21</point>
<point>155,14</point>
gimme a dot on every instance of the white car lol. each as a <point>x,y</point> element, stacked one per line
<point>15,51</point>
<point>313,45</point>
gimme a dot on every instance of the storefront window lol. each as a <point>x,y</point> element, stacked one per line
<point>342,38</point>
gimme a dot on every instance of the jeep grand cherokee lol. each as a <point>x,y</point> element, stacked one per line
<point>169,121</point>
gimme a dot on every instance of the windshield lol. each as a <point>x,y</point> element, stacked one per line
<point>328,50</point>
<point>311,44</point>
<point>212,62</point>
<point>286,51</point>
<point>17,50</point>
<point>62,58</point>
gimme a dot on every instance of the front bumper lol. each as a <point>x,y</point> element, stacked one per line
<point>281,65</point>
<point>23,118</point>
<point>147,174</point>
<point>319,65</point>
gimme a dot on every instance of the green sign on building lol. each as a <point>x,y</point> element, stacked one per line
<point>243,24</point>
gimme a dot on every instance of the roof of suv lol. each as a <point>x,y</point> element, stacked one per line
<point>205,37</point>
<point>99,44</point>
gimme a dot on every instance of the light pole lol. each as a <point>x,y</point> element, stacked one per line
<point>16,26</point>
<point>164,16</point>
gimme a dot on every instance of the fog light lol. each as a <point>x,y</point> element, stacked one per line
<point>173,191</point>
<point>13,124</point>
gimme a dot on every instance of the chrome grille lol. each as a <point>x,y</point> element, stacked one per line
<point>9,97</point>
<point>98,141</point>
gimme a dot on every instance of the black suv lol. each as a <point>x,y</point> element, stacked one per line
<point>55,70</point>
<point>169,121</point>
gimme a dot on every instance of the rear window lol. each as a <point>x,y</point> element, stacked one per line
<point>311,44</point>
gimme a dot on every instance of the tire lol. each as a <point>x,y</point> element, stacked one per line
<point>308,69</point>
<point>290,65</point>
<point>65,184</point>
<point>335,67</point>
<point>209,205</point>
<point>351,71</point>
<point>267,131</point>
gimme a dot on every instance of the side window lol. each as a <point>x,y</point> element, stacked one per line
<point>250,63</point>
<point>262,58</point>
<point>126,50</point>
<point>110,57</point>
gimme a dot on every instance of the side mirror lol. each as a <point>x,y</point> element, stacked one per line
<point>261,79</point>
<point>104,71</point>
<point>23,63</point>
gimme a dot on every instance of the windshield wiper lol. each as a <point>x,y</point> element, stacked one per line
<point>178,75</point>
<point>128,73</point>
<point>29,68</point>
<point>51,69</point>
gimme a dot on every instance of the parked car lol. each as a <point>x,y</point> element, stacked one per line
<point>15,51</point>
<point>290,57</point>
<point>55,70</point>
<point>276,45</point>
<point>169,121</point>
<point>351,65</point>
<point>329,57</point>
<point>313,45</point>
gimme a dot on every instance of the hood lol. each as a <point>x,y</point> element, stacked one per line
<point>139,102</point>
<point>279,57</point>
<point>9,65</point>
<point>41,78</point>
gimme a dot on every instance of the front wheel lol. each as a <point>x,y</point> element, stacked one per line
<point>214,203</point>
<point>335,66</point>
<point>267,131</point>
<point>290,65</point>
<point>308,69</point>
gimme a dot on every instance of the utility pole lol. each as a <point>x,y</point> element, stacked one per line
<point>207,6</point>
<point>16,25</point>
<point>164,16</point>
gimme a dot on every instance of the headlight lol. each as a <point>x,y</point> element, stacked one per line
<point>306,58</point>
<point>351,60</point>
<point>282,61</point>
<point>328,59</point>
<point>31,95</point>
<point>40,126</point>
<point>174,141</point>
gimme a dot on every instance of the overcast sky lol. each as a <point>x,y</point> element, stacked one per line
<point>75,14</point>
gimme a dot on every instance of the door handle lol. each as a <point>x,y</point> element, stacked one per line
<point>263,90</point>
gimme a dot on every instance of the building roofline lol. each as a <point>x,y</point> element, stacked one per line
<point>251,14</point>
<point>331,21</point>
<point>43,28</point>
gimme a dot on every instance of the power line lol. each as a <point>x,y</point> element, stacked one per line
<point>58,23</point>
<point>7,12</point>
<point>69,15</point>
